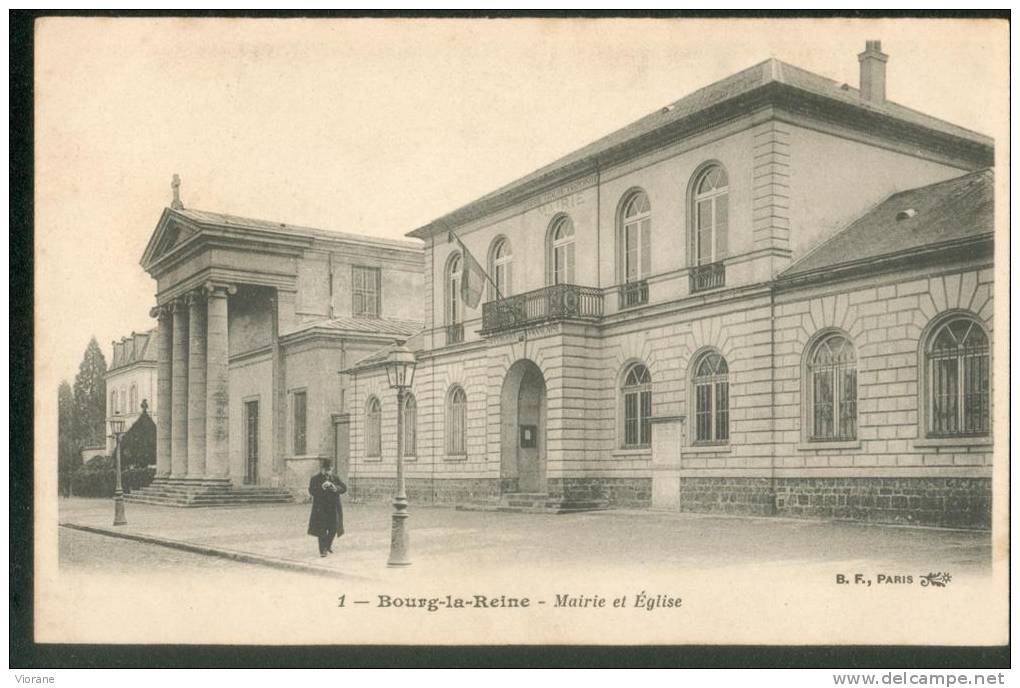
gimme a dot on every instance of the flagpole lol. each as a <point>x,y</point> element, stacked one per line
<point>499,296</point>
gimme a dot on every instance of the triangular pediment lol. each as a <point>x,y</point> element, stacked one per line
<point>171,231</point>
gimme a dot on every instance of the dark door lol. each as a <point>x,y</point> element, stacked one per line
<point>251,443</point>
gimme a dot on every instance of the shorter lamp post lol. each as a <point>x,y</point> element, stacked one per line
<point>117,430</point>
<point>400,374</point>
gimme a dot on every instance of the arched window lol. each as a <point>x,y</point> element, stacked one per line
<point>454,310</point>
<point>636,237</point>
<point>410,426</point>
<point>832,389</point>
<point>710,205</point>
<point>500,262</point>
<point>958,379</point>
<point>711,399</point>
<point>134,399</point>
<point>637,407</point>
<point>373,427</point>
<point>456,422</point>
<point>561,251</point>
<point>113,403</point>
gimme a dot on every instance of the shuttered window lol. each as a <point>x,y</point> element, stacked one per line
<point>832,372</point>
<point>958,380</point>
<point>365,291</point>
<point>300,420</point>
<point>373,428</point>
<point>711,399</point>
<point>456,422</point>
<point>637,407</point>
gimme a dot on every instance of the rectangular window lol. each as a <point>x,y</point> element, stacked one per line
<point>722,411</point>
<point>823,427</point>
<point>646,418</point>
<point>704,229</point>
<point>630,414</point>
<point>631,253</point>
<point>365,290</point>
<point>300,401</point>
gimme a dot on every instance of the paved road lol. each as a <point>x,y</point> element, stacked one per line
<point>89,553</point>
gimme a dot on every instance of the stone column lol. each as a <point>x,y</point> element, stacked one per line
<point>217,399</point>
<point>196,384</point>
<point>164,349</point>
<point>179,393</point>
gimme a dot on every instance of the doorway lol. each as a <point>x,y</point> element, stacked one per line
<point>251,442</point>
<point>523,420</point>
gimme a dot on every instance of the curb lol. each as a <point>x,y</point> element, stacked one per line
<point>233,555</point>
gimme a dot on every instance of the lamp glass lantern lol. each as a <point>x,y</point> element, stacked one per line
<point>400,368</point>
<point>117,427</point>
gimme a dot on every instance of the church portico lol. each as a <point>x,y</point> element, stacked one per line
<point>192,379</point>
<point>256,320</point>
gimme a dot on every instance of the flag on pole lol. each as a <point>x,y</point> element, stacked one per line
<point>472,275</point>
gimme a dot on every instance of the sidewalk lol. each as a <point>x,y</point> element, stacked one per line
<point>488,546</point>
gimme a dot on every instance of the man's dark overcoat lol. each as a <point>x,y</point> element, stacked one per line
<point>327,513</point>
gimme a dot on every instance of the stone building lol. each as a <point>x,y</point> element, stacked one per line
<point>256,321</point>
<point>130,380</point>
<point>773,296</point>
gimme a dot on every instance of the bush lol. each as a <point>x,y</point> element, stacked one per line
<point>99,462</point>
<point>93,482</point>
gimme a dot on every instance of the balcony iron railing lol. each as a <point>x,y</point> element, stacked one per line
<point>633,294</point>
<point>454,333</point>
<point>709,276</point>
<point>548,304</point>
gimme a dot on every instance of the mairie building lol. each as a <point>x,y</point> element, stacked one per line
<point>773,296</point>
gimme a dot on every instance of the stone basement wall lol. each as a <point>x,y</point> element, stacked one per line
<point>947,502</point>
<point>424,490</point>
<point>620,492</point>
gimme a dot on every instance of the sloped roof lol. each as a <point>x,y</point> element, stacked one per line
<point>385,326</point>
<point>943,213</point>
<point>771,71</point>
<point>223,219</point>
<point>140,346</point>
<point>376,358</point>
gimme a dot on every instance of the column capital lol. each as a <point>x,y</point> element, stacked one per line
<point>219,289</point>
<point>160,311</point>
<point>194,297</point>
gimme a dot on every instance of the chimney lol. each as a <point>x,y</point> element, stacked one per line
<point>873,72</point>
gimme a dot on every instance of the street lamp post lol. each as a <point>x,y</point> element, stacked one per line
<point>117,430</point>
<point>400,374</point>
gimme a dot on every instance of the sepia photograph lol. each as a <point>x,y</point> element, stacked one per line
<point>460,331</point>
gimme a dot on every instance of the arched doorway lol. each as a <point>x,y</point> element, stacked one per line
<point>523,442</point>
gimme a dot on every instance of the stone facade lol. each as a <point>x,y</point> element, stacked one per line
<point>795,180</point>
<point>130,380</point>
<point>252,322</point>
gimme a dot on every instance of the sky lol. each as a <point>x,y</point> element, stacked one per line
<point>379,126</point>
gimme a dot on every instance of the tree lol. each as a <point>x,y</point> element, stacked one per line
<point>90,398</point>
<point>68,456</point>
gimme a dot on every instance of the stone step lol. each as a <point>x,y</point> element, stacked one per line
<point>201,493</point>
<point>535,504</point>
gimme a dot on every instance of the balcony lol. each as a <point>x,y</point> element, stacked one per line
<point>711,276</point>
<point>454,333</point>
<point>633,294</point>
<point>548,304</point>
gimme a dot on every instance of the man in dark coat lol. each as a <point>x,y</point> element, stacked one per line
<point>327,519</point>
